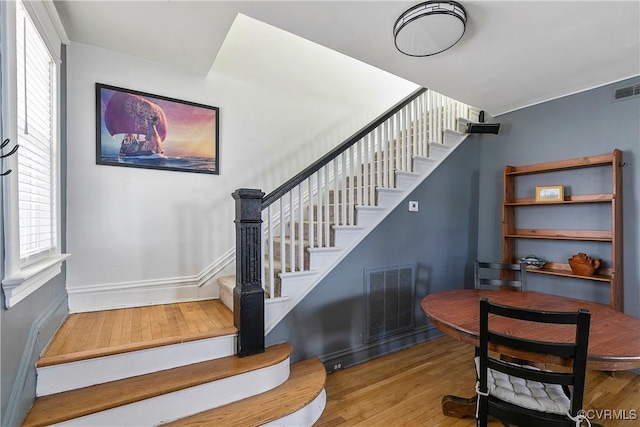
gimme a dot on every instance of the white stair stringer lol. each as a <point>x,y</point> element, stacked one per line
<point>368,217</point>
<point>180,404</point>
<point>83,373</point>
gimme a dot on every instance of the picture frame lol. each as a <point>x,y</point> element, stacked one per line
<point>549,194</point>
<point>142,130</point>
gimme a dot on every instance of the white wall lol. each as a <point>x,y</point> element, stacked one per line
<point>284,101</point>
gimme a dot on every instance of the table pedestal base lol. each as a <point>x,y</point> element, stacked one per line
<point>459,407</point>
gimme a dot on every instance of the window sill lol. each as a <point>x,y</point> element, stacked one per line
<point>29,279</point>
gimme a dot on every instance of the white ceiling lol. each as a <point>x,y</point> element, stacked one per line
<point>513,54</point>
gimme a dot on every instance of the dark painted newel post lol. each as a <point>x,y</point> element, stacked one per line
<point>248,295</point>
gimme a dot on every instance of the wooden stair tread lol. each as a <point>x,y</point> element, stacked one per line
<point>72,404</point>
<point>97,334</point>
<point>305,383</point>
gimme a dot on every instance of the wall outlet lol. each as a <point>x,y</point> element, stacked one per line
<point>337,366</point>
<point>413,206</point>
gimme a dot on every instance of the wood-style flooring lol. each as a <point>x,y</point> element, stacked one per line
<point>399,389</point>
<point>108,332</point>
<point>405,389</point>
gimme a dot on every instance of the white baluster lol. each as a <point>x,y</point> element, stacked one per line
<point>283,251</point>
<point>440,118</point>
<point>267,251</point>
<point>312,242</point>
<point>358,179</point>
<point>292,237</point>
<point>336,216</point>
<point>352,189</point>
<point>425,125</point>
<point>372,168</point>
<point>418,120</point>
<point>321,216</point>
<point>406,149</point>
<point>300,227</point>
<point>364,170</point>
<point>327,221</point>
<point>343,194</point>
<point>379,156</point>
<point>384,154</point>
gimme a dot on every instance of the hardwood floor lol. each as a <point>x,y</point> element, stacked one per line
<point>400,389</point>
<point>405,388</point>
<point>103,333</point>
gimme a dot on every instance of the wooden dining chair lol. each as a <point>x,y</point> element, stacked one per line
<point>493,274</point>
<point>523,395</point>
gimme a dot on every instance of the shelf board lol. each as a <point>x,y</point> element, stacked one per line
<point>583,198</point>
<point>584,235</point>
<point>580,162</point>
<point>564,270</point>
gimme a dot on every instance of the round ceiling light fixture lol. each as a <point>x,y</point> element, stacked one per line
<point>429,28</point>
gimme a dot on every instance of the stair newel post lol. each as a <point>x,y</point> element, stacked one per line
<point>248,294</point>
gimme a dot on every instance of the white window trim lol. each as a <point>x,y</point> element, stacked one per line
<point>22,280</point>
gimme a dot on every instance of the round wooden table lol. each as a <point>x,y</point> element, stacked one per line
<point>614,337</point>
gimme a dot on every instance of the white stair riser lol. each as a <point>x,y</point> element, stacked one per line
<point>293,283</point>
<point>406,180</point>
<point>346,235</point>
<point>437,150</point>
<point>423,165</point>
<point>388,196</point>
<point>368,215</point>
<point>306,416</point>
<point>322,257</point>
<point>73,375</point>
<point>173,406</point>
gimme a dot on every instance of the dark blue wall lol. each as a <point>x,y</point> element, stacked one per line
<point>440,239</point>
<point>584,124</point>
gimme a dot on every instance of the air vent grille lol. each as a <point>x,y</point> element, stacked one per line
<point>627,92</point>
<point>389,301</point>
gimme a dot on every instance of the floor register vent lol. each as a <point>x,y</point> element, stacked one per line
<point>389,301</point>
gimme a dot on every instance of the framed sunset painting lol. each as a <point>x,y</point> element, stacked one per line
<point>141,130</point>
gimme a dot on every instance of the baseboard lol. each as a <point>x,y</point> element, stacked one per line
<point>23,392</point>
<point>150,292</point>
<point>366,352</point>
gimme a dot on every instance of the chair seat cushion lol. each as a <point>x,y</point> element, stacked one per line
<point>534,395</point>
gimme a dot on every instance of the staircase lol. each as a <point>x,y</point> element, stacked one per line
<point>314,220</point>
<point>169,364</point>
<point>176,364</point>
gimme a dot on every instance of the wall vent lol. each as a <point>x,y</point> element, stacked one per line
<point>627,92</point>
<point>389,301</point>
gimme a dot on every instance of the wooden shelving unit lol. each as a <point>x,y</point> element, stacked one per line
<point>613,274</point>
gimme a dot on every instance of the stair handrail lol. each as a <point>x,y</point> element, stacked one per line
<point>326,195</point>
<point>335,152</point>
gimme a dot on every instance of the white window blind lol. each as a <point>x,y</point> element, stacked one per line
<point>36,137</point>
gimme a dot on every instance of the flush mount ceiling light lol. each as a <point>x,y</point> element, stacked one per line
<point>429,28</point>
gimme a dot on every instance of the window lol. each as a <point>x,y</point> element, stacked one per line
<point>30,52</point>
<point>36,79</point>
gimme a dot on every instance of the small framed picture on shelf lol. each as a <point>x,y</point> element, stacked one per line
<point>549,194</point>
